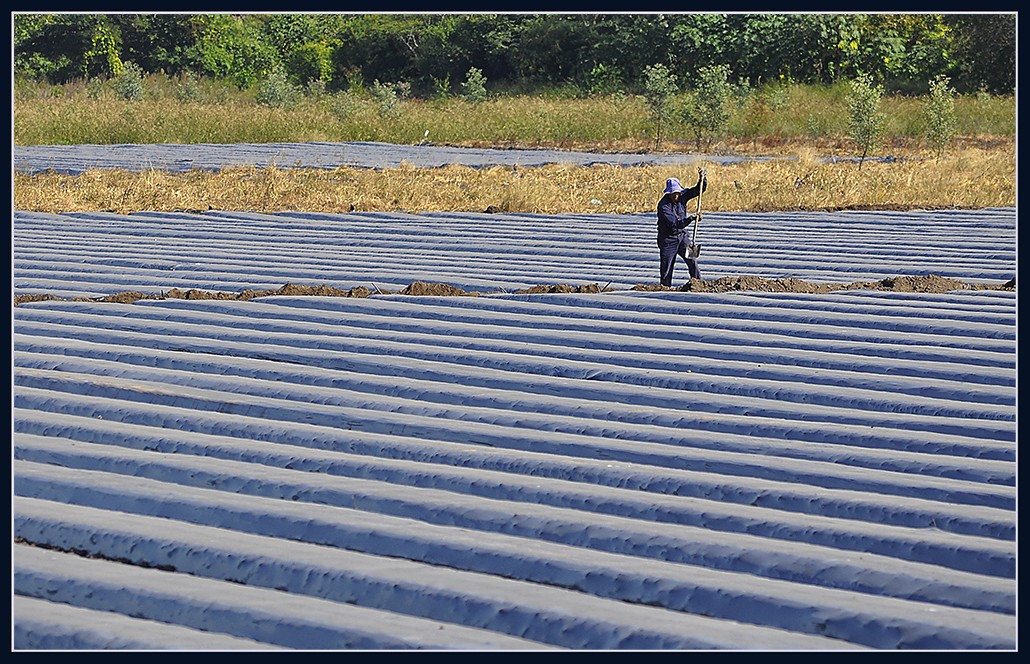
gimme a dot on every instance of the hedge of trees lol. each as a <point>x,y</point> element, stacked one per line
<point>591,54</point>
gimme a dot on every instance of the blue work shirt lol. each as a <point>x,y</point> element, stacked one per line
<point>673,217</point>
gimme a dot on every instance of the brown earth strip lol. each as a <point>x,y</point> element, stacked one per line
<point>918,284</point>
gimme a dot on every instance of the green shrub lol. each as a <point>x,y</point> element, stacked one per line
<point>388,96</point>
<point>316,89</point>
<point>129,83</point>
<point>741,92</point>
<point>308,62</point>
<point>344,104</point>
<point>441,86</point>
<point>187,89</point>
<point>777,97</point>
<point>604,80</point>
<point>474,87</point>
<point>277,92</point>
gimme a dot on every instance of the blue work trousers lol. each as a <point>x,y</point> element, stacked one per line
<point>669,247</point>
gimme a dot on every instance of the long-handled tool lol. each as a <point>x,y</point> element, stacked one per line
<point>695,249</point>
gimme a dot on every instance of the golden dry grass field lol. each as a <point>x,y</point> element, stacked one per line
<point>975,176</point>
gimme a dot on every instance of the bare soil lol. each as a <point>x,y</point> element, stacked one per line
<point>921,284</point>
<point>918,284</point>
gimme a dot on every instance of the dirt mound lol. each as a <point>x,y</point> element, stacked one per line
<point>560,288</point>
<point>22,299</point>
<point>422,288</point>
<point>127,297</point>
<point>176,294</point>
<point>915,284</point>
<point>928,284</point>
<point>919,284</point>
<point>752,283</point>
<point>323,290</point>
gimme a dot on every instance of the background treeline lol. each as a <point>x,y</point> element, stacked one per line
<point>435,55</point>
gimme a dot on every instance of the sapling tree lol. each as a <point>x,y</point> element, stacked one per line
<point>940,115</point>
<point>706,111</point>
<point>474,87</point>
<point>659,87</point>
<point>865,121</point>
<point>442,86</point>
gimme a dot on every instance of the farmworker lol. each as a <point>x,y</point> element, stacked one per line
<point>673,221</point>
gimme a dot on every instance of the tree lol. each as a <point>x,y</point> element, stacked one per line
<point>631,43</point>
<point>802,48</point>
<point>903,48</point>
<point>659,87</point>
<point>232,47</point>
<point>940,115</point>
<point>64,47</point>
<point>706,111</point>
<point>525,51</point>
<point>700,40</point>
<point>310,61</point>
<point>865,121</point>
<point>157,42</point>
<point>554,49</point>
<point>474,87</point>
<point>985,50</point>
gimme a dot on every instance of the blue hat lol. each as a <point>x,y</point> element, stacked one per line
<point>672,186</point>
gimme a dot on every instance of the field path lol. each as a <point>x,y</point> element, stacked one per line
<point>177,158</point>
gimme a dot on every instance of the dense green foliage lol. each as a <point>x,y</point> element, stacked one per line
<point>524,53</point>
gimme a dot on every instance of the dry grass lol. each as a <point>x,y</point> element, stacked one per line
<point>44,115</point>
<point>528,121</point>
<point>969,178</point>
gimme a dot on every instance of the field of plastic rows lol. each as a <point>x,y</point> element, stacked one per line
<point>628,469</point>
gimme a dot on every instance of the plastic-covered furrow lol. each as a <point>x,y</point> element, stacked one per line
<point>473,497</point>
<point>547,614</point>
<point>59,596</point>
<point>41,624</point>
<point>486,253</point>
<point>316,154</point>
<point>489,549</point>
<point>624,469</point>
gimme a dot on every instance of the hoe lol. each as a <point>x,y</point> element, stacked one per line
<point>695,249</point>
